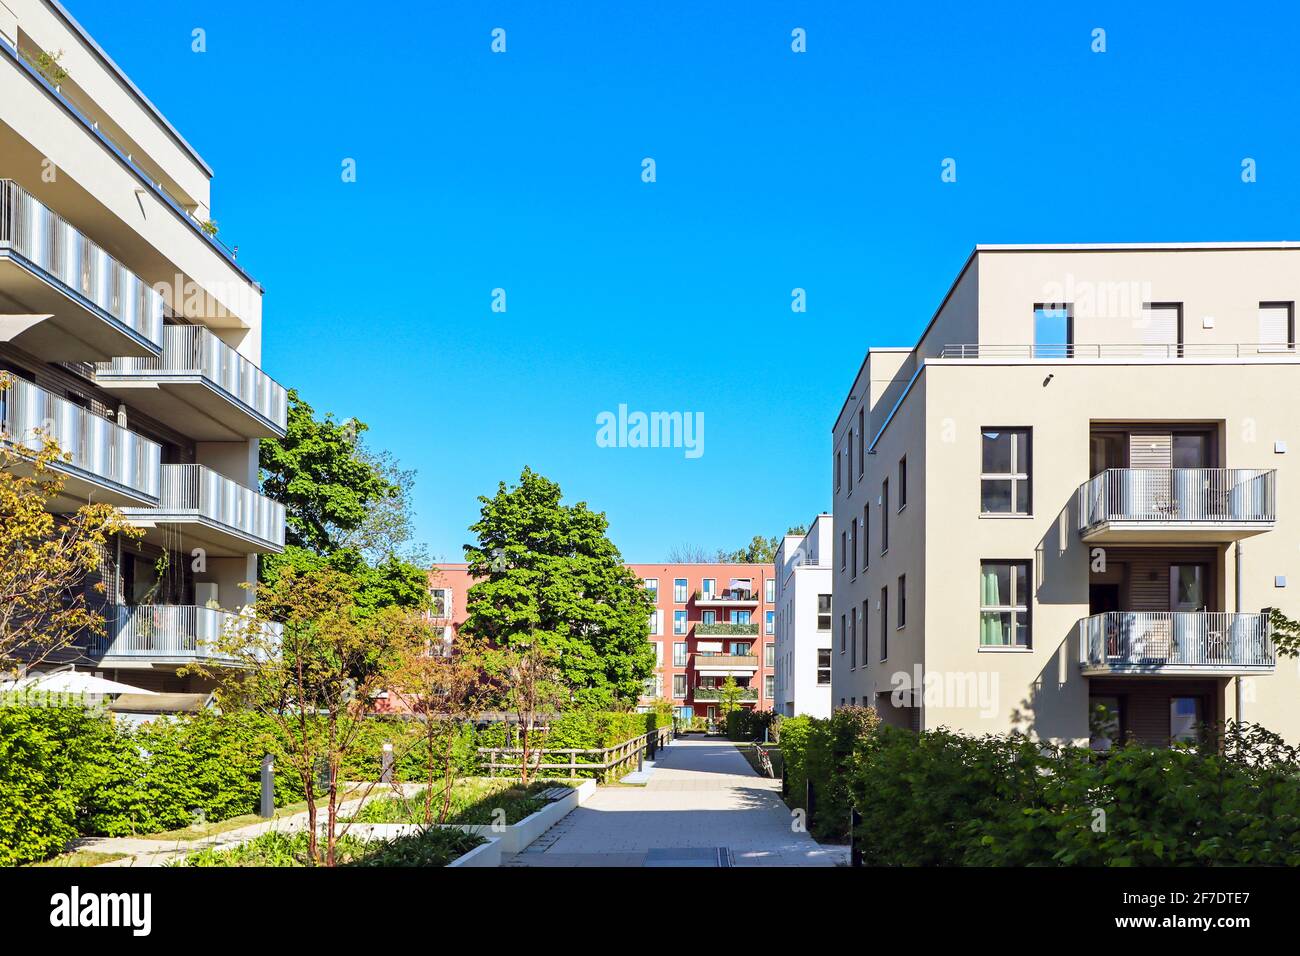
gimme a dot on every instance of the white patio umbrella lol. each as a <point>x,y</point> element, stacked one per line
<point>72,682</point>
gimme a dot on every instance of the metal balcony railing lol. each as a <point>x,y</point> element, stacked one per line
<point>190,351</point>
<point>98,450</point>
<point>48,242</point>
<point>198,493</point>
<point>1151,641</point>
<point>1234,495</point>
<point>1140,350</point>
<point>168,632</point>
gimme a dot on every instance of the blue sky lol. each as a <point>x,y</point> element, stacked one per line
<point>775,170</point>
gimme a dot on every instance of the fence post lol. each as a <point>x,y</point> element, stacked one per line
<point>267,803</point>
<point>855,851</point>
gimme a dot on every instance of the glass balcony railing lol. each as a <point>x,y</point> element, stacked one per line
<point>99,451</point>
<point>196,493</point>
<point>194,352</point>
<point>64,256</point>
<point>1176,642</point>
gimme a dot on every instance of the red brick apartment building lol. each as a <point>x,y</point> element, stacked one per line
<point>711,621</point>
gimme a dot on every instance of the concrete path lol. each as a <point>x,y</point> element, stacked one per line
<point>702,797</point>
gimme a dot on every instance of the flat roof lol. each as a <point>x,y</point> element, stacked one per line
<point>135,90</point>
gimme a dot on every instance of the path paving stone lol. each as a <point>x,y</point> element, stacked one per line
<point>702,795</point>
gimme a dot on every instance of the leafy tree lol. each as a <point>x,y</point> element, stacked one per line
<point>45,559</point>
<point>388,529</point>
<point>760,550</point>
<point>548,576</point>
<point>327,486</point>
<point>531,684</point>
<point>1286,634</point>
<point>728,697</point>
<point>392,582</point>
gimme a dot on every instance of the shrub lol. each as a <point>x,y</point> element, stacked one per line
<point>821,751</point>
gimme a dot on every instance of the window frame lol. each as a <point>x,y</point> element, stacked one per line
<point>680,618</point>
<point>902,484</point>
<point>1014,475</point>
<point>900,612</point>
<point>884,516</point>
<point>1012,608</point>
<point>1290,345</point>
<point>824,667</point>
<point>829,614</point>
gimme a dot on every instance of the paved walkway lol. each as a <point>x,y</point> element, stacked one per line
<point>702,797</point>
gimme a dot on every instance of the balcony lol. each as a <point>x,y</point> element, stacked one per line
<point>211,511</point>
<point>199,386</point>
<point>1177,504</point>
<point>1140,351</point>
<point>64,299</point>
<point>1176,644</point>
<point>728,597</point>
<point>748,695</point>
<point>726,629</point>
<point>106,463</point>
<point>166,634</point>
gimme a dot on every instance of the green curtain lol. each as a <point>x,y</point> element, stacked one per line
<point>990,624</point>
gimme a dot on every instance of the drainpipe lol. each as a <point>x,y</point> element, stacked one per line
<point>1240,692</point>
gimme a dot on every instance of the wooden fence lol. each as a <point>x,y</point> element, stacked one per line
<point>610,763</point>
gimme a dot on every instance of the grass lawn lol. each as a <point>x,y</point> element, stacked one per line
<point>198,832</point>
<point>433,847</point>
<point>80,858</point>
<point>473,800</point>
<point>750,752</point>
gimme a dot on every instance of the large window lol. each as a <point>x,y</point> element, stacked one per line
<point>769,655</point>
<point>1004,471</point>
<point>708,586</point>
<point>679,654</point>
<point>679,591</point>
<point>1004,604</point>
<point>769,687</point>
<point>679,622</point>
<point>769,622</point>
<point>824,666</point>
<point>652,584</point>
<point>708,617</point>
<point>679,685</point>
<point>769,591</point>
<point>741,617</point>
<point>656,622</point>
<point>823,612</point>
<point>1053,331</point>
<point>441,602</point>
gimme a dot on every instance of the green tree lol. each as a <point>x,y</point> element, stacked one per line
<point>549,575</point>
<point>760,550</point>
<point>728,697</point>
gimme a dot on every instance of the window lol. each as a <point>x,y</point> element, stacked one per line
<point>656,622</point>
<point>884,623</point>
<point>853,640</point>
<point>884,516</point>
<point>769,623</point>
<point>1184,719</point>
<point>1004,471</point>
<point>838,469</point>
<point>679,685</point>
<point>652,584</point>
<point>441,602</point>
<point>769,591</point>
<point>708,617</point>
<point>769,686</point>
<point>823,612</point>
<point>853,544</point>
<point>866,536</point>
<point>823,666</point>
<point>709,586</point>
<point>1053,331</point>
<point>844,550</point>
<point>1276,326</point>
<point>849,460</point>
<point>1162,327</point>
<point>1105,721</point>
<point>902,483</point>
<point>679,654</point>
<point>679,590</point>
<point>769,655</point>
<point>866,609</point>
<point>862,445</point>
<point>679,622</point>
<point>844,626</point>
<point>902,601</point>
<point>653,687</point>
<point>740,617</point>
<point>1004,604</point>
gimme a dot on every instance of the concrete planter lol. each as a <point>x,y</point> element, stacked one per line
<point>489,854</point>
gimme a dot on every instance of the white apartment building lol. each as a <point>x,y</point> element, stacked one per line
<point>134,337</point>
<point>1077,494</point>
<point>803,621</point>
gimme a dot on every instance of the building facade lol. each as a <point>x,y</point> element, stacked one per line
<point>133,337</point>
<point>711,621</point>
<point>1069,508</point>
<point>803,620</point>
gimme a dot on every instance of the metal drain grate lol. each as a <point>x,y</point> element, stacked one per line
<point>688,856</point>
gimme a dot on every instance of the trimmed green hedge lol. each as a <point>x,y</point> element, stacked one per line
<point>822,750</point>
<point>749,724</point>
<point>944,799</point>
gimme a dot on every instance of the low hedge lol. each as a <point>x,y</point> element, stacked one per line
<point>944,799</point>
<point>748,724</point>
<point>821,750</point>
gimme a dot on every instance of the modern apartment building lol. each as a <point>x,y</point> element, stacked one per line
<point>712,621</point>
<point>803,620</point>
<point>134,338</point>
<point>1077,491</point>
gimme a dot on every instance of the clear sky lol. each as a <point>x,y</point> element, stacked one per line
<point>775,170</point>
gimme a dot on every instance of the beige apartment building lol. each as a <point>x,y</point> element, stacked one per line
<point>1079,488</point>
<point>134,338</point>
